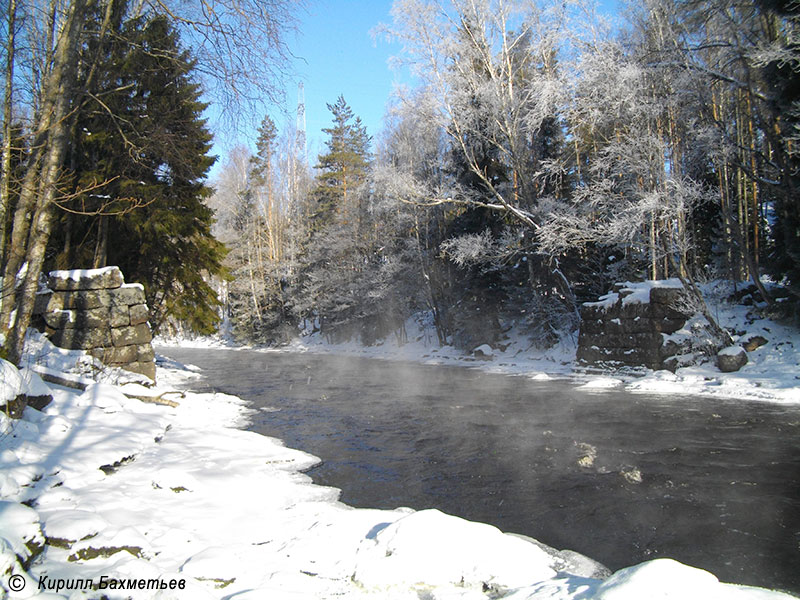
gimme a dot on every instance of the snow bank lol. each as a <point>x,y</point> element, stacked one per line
<point>434,549</point>
<point>131,492</point>
<point>11,383</point>
<point>601,383</point>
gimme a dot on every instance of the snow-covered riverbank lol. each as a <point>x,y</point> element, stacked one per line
<point>179,499</point>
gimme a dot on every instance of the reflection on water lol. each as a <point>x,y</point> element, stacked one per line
<point>619,477</point>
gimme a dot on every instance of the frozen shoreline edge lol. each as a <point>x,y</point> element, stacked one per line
<point>557,364</point>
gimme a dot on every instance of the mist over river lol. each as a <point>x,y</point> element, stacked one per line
<point>619,477</point>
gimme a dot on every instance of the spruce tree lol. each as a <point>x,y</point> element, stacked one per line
<point>260,163</point>
<point>150,216</point>
<point>344,166</point>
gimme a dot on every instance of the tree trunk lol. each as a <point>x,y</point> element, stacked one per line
<point>42,175</point>
<point>5,170</point>
<point>101,245</point>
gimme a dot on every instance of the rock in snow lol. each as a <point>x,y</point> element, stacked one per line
<point>731,359</point>
<point>139,492</point>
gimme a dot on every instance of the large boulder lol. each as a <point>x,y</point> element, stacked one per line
<point>731,359</point>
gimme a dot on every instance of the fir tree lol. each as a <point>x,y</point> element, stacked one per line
<point>260,164</point>
<point>344,166</point>
<point>150,217</point>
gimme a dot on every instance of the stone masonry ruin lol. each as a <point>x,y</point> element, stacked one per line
<point>627,327</point>
<point>96,311</point>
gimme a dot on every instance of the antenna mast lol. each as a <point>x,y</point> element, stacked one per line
<point>301,122</point>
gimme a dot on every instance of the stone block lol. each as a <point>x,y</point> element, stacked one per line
<point>145,353</point>
<point>631,326</point>
<point>129,336</point>
<point>617,357</point>
<point>666,295</point>
<point>147,369</point>
<point>622,340</point>
<point>670,348</point>
<point>85,279</point>
<point>638,309</point>
<point>663,311</point>
<point>127,295</point>
<point>95,318</point>
<point>591,325</point>
<point>60,319</point>
<point>731,359</point>
<point>116,355</point>
<point>667,325</point>
<point>119,316</point>
<point>671,363</point>
<point>42,303</point>
<point>139,314</point>
<point>81,339</point>
<point>81,299</point>
<point>590,354</point>
<point>592,311</point>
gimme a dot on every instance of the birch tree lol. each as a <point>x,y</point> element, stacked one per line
<point>495,72</point>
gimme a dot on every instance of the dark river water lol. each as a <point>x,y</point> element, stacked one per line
<point>619,477</point>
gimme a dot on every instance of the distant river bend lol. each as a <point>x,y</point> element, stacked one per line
<point>616,476</point>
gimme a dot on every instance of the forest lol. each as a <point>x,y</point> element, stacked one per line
<point>106,149</point>
<point>540,156</point>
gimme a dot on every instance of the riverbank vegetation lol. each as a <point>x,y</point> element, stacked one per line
<point>539,157</point>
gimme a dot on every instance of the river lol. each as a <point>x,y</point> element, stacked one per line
<point>617,476</point>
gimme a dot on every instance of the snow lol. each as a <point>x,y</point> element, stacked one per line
<point>78,274</point>
<point>635,292</point>
<point>20,528</point>
<point>33,383</point>
<point>601,383</point>
<point>732,351</point>
<point>483,350</point>
<point>410,550</point>
<point>12,383</point>
<point>74,366</point>
<point>126,489</point>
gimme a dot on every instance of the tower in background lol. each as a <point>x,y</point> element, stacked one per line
<point>300,141</point>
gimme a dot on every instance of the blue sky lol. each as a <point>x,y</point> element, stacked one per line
<point>335,54</point>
